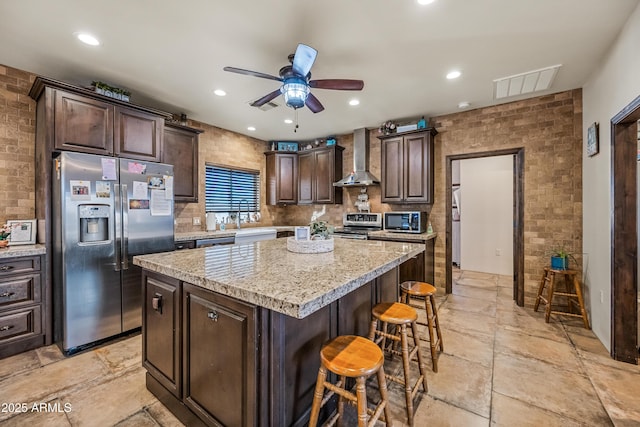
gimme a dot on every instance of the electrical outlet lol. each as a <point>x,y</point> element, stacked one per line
<point>498,252</point>
<point>601,297</point>
<point>196,220</point>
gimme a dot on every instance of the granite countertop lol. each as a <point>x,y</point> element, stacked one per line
<point>22,250</point>
<point>195,235</point>
<point>391,235</point>
<point>268,275</point>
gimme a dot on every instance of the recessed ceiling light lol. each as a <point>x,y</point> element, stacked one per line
<point>220,92</point>
<point>88,39</point>
<point>454,74</point>
<point>423,2</point>
<point>288,121</point>
<point>354,102</point>
<point>251,128</point>
<point>463,104</point>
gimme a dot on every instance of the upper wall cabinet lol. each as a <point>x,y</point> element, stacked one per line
<point>180,149</point>
<point>318,169</point>
<point>78,119</point>
<point>282,178</point>
<point>407,167</point>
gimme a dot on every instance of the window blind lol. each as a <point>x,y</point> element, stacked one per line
<point>225,188</point>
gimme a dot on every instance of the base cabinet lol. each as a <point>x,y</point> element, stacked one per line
<point>243,365</point>
<point>24,306</point>
<point>161,348</point>
<point>219,358</point>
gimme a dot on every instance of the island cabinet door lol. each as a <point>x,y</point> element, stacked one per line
<point>220,369</point>
<point>161,343</point>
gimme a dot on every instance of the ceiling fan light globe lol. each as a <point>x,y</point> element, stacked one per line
<point>295,92</point>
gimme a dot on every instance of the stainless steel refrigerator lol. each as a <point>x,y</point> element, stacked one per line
<point>105,211</point>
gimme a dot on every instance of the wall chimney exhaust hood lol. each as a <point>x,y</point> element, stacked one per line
<point>360,177</point>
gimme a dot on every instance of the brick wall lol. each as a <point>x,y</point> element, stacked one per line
<point>549,128</point>
<point>17,145</point>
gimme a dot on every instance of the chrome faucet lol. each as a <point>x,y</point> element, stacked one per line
<point>238,221</point>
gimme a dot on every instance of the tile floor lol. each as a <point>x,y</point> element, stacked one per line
<point>502,366</point>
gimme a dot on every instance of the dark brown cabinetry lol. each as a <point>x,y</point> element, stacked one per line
<point>318,170</point>
<point>407,167</point>
<point>180,149</point>
<point>161,346</point>
<point>137,134</point>
<point>24,306</point>
<point>94,126</point>
<point>282,178</point>
<point>219,358</point>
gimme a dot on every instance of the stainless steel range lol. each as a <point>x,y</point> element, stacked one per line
<point>358,225</point>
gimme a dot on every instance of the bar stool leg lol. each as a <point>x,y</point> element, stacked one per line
<point>405,366</point>
<point>432,340</point>
<point>552,280</point>
<point>361,392</point>
<point>317,397</point>
<point>421,369</point>
<point>341,400</point>
<point>540,289</point>
<point>437,321</point>
<point>382,385</point>
<point>576,285</point>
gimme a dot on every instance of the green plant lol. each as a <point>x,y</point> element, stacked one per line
<point>5,232</point>
<point>319,230</point>
<point>562,252</point>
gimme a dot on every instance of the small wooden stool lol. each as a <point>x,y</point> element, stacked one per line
<point>570,278</point>
<point>427,291</point>
<point>400,315</point>
<point>354,357</point>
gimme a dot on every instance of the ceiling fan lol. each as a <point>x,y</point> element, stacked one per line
<point>296,81</point>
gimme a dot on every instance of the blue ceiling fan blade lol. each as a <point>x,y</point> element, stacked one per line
<point>303,59</point>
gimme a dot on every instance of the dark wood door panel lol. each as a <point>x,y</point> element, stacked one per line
<point>83,124</point>
<point>306,178</point>
<point>392,170</point>
<point>138,135</point>
<point>180,149</point>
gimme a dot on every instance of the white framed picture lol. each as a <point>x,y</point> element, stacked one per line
<point>23,231</point>
<point>302,233</point>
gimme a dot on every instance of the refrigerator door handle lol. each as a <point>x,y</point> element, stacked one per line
<point>116,228</point>
<point>125,227</point>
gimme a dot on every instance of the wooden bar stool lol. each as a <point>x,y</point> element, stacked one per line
<point>427,291</point>
<point>570,279</point>
<point>401,316</point>
<point>354,357</point>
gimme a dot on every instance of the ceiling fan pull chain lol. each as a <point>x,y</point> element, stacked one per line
<point>295,129</point>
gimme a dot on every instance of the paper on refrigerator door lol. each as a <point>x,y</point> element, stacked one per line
<point>160,205</point>
<point>168,186</point>
<point>140,190</point>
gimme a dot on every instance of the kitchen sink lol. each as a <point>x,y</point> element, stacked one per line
<point>250,235</point>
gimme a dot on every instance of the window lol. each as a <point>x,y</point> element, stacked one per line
<point>225,188</point>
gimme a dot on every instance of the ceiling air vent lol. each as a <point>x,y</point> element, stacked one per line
<point>266,106</point>
<point>520,84</point>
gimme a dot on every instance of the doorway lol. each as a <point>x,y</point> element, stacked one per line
<point>518,217</point>
<point>624,231</point>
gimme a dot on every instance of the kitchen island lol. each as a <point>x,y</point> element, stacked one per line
<point>232,334</point>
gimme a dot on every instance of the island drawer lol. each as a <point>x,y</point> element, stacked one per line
<point>19,266</point>
<point>19,290</point>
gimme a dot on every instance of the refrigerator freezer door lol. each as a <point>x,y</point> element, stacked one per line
<point>86,280</point>
<point>147,216</point>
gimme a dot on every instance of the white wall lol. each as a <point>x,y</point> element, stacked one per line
<point>486,214</point>
<point>607,91</point>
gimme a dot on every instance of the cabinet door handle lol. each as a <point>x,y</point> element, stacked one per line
<point>6,268</point>
<point>213,315</point>
<point>6,328</point>
<point>7,294</point>
<point>156,303</point>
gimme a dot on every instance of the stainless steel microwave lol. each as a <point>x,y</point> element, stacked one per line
<point>405,222</point>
